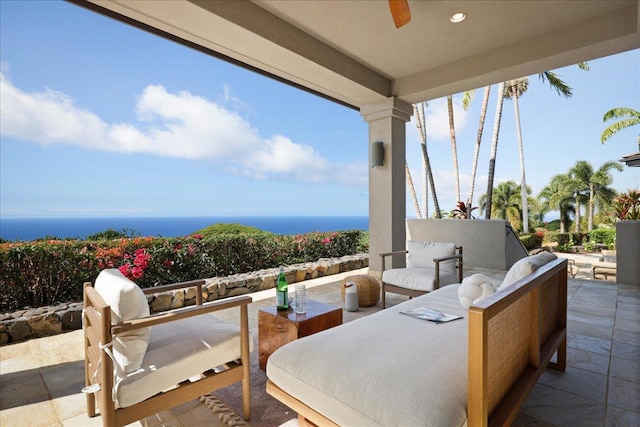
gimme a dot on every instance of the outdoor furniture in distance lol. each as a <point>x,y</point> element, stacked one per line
<point>430,265</point>
<point>137,364</point>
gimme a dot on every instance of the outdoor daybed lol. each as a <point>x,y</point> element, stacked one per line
<point>392,369</point>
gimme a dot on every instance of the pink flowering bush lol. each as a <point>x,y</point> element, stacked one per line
<point>51,272</point>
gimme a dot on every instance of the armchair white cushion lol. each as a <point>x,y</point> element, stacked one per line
<point>127,302</point>
<point>421,255</point>
<point>429,266</point>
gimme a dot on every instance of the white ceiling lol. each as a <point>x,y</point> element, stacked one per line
<point>350,51</point>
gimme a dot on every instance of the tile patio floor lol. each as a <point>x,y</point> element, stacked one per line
<point>40,379</point>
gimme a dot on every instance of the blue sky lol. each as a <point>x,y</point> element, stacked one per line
<point>102,119</point>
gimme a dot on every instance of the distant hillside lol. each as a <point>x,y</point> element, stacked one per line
<point>224,228</point>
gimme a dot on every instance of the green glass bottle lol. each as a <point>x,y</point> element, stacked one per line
<point>282,292</point>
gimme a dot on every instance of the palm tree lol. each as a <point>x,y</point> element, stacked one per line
<point>555,83</point>
<point>629,117</point>
<point>494,149</point>
<point>428,175</point>
<point>506,201</point>
<point>559,194</point>
<point>599,190</point>
<point>412,190</point>
<point>514,90</point>
<point>581,172</point>
<point>466,102</point>
<point>454,149</point>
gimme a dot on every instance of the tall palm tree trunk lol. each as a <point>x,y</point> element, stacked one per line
<point>422,132</point>
<point>476,153</point>
<point>412,190</point>
<point>454,149</point>
<point>577,224</point>
<point>494,149</point>
<point>591,207</point>
<point>523,181</point>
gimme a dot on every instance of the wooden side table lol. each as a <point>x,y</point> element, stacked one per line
<point>276,328</point>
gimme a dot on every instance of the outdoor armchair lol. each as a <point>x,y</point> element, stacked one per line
<point>138,364</point>
<point>430,265</point>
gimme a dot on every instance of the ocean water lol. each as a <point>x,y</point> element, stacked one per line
<point>13,229</point>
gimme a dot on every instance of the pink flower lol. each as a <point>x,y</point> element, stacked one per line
<point>197,236</point>
<point>326,240</point>
<point>137,272</point>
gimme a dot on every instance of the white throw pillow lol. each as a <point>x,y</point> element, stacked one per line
<point>473,289</point>
<point>526,266</point>
<point>127,302</point>
<point>421,255</point>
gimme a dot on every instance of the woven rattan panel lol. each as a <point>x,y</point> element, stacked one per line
<point>508,344</point>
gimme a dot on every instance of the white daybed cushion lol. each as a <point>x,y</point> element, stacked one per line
<point>526,266</point>
<point>419,279</point>
<point>421,255</point>
<point>354,375</point>
<point>127,302</point>
<point>178,351</point>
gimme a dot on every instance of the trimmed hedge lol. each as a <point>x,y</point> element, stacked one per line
<point>606,236</point>
<point>531,241</point>
<point>34,274</point>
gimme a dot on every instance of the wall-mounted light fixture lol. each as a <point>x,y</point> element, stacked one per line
<point>377,154</point>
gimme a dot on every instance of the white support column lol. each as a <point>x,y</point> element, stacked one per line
<point>387,183</point>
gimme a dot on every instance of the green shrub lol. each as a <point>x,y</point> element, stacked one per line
<point>606,236</point>
<point>531,241</point>
<point>45,273</point>
<point>224,228</point>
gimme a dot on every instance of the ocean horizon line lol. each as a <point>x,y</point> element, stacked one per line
<point>27,229</point>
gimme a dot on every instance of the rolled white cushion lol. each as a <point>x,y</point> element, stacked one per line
<point>526,266</point>
<point>421,255</point>
<point>419,279</point>
<point>127,302</point>
<point>473,289</point>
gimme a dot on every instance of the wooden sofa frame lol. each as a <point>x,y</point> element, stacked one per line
<point>512,338</point>
<point>386,287</point>
<point>99,367</point>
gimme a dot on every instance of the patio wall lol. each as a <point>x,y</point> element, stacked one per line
<point>486,243</point>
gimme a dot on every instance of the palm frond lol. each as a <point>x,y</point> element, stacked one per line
<point>617,127</point>
<point>555,82</point>
<point>467,98</point>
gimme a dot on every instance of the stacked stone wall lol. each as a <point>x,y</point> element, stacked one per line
<point>39,322</point>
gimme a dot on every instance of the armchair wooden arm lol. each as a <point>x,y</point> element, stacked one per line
<point>386,254</point>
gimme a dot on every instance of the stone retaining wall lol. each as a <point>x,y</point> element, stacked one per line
<point>39,322</point>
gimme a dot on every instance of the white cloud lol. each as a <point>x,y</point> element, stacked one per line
<point>180,125</point>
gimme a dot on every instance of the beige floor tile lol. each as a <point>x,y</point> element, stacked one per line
<point>586,328</point>
<point>14,350</point>
<point>587,343</point>
<point>624,395</point>
<point>577,381</point>
<point>628,337</point>
<point>623,350</point>
<point>587,360</point>
<point>24,362</point>
<point>83,420</point>
<point>619,418</point>
<point>626,369</point>
<point>37,414</point>
<point>579,315</point>
<point>61,348</point>
<point>561,408</point>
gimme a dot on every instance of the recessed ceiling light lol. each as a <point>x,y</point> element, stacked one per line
<point>458,17</point>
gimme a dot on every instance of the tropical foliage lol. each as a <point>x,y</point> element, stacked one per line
<point>628,117</point>
<point>45,273</point>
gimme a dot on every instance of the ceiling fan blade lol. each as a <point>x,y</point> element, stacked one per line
<point>400,12</point>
